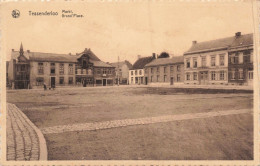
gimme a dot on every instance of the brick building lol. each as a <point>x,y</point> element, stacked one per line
<point>137,73</point>
<point>33,69</point>
<point>168,71</point>
<point>209,62</point>
<point>122,71</point>
<point>240,61</point>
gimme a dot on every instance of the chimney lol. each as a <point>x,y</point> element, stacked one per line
<point>28,51</point>
<point>238,34</point>
<point>154,56</point>
<point>12,50</point>
<point>70,53</point>
<point>194,42</point>
<point>138,56</point>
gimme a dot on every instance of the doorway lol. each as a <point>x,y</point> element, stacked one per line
<point>203,77</point>
<point>104,82</point>
<point>53,82</point>
<point>171,80</point>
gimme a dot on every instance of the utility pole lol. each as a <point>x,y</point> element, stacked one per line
<point>118,71</point>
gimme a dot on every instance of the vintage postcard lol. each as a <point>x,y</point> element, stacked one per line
<point>129,82</point>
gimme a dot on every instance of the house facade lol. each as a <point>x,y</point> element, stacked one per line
<point>168,71</point>
<point>137,73</point>
<point>122,71</point>
<point>91,71</point>
<point>34,69</point>
<point>240,62</point>
<point>209,62</point>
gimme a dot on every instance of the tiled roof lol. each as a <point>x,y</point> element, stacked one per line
<point>166,61</point>
<point>141,62</point>
<point>244,40</point>
<point>223,43</point>
<point>100,63</point>
<point>47,57</point>
<point>120,64</point>
<point>90,54</point>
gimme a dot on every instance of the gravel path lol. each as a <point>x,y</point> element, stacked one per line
<point>139,121</point>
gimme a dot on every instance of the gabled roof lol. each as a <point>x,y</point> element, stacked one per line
<point>141,62</point>
<point>89,53</point>
<point>166,61</point>
<point>223,43</point>
<point>52,57</point>
<point>100,63</point>
<point>244,40</point>
<point>120,64</point>
<point>47,57</point>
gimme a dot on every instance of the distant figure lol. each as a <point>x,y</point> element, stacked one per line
<point>44,86</point>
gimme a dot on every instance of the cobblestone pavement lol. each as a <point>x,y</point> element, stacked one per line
<point>139,121</point>
<point>23,141</point>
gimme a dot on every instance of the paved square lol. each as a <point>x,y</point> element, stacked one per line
<point>140,123</point>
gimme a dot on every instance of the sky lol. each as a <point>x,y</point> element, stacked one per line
<point>122,29</point>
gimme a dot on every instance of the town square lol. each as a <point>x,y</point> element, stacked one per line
<point>148,81</point>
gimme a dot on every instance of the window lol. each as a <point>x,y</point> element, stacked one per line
<point>171,69</point>
<point>71,71</point>
<point>234,58</point>
<point>61,80</point>
<point>157,78</point>
<point>151,78</point>
<point>39,81</point>
<point>104,71</point>
<point>232,74</point>
<point>222,60</point>
<point>109,71</point>
<point>178,68</point>
<point>213,75</point>
<point>165,69</point>
<point>52,68</point>
<point>70,80</point>
<point>98,71</point>
<point>195,76</point>
<point>213,61</point>
<point>158,69</point>
<point>164,78</point>
<point>250,75</point>
<point>140,72</point>
<point>132,73</point>
<point>187,63</point>
<point>40,68</point>
<point>203,61</point>
<point>152,70</point>
<point>61,68</point>
<point>194,62</point>
<point>222,75</point>
<point>188,76</point>
<point>178,77</point>
<point>132,79</point>
<point>241,74</point>
<point>135,72</point>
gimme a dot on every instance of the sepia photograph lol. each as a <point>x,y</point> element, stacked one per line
<point>129,80</point>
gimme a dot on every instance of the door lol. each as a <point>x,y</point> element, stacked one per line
<point>146,80</point>
<point>104,82</point>
<point>250,77</point>
<point>52,81</point>
<point>171,80</point>
<point>203,77</point>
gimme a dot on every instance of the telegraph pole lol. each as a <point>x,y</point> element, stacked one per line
<point>118,71</point>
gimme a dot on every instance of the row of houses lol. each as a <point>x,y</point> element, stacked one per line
<point>217,62</point>
<point>222,62</point>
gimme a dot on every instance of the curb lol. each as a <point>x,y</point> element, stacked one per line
<point>43,147</point>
